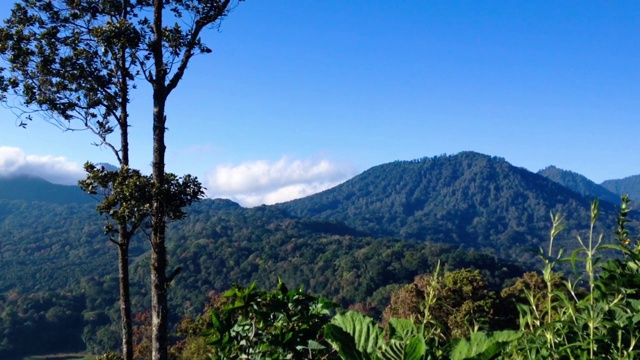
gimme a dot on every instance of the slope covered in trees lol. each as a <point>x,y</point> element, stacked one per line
<point>629,186</point>
<point>580,184</point>
<point>354,244</point>
<point>220,244</point>
<point>35,189</point>
<point>469,199</point>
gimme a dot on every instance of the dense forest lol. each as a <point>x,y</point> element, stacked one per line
<point>357,245</point>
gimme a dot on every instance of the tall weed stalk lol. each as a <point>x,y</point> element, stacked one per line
<point>597,321</point>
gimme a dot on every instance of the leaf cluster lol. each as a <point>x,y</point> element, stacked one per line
<point>248,323</point>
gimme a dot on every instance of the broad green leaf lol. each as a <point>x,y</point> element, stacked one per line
<point>366,334</point>
<point>402,329</point>
<point>344,343</point>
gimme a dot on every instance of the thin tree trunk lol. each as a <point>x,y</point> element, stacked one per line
<point>159,305</point>
<point>125,295</point>
<point>123,235</point>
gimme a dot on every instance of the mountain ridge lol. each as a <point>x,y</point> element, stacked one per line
<point>580,184</point>
<point>353,243</point>
<point>32,188</point>
<point>468,198</point>
<point>629,185</point>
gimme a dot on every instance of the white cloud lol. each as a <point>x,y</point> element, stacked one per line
<point>58,170</point>
<point>262,182</point>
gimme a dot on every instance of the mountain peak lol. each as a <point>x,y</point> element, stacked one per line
<point>472,199</point>
<point>579,183</point>
<point>31,188</point>
<point>626,186</point>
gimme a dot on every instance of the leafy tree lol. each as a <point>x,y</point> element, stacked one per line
<point>76,60</point>
<point>248,323</point>
<point>73,62</point>
<point>454,303</point>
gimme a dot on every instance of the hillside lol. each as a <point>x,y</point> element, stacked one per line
<point>55,260</point>
<point>627,186</point>
<point>353,243</point>
<point>35,189</point>
<point>469,199</point>
<point>580,184</point>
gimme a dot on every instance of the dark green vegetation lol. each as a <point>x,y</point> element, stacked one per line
<point>470,199</point>
<point>629,185</point>
<point>582,185</point>
<point>588,314</point>
<point>75,63</point>
<point>35,189</point>
<point>354,244</point>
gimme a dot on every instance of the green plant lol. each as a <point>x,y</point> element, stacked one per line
<point>450,305</point>
<point>255,324</point>
<point>483,346</point>
<point>598,320</point>
<point>356,336</point>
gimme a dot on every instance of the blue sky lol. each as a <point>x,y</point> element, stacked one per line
<point>300,95</point>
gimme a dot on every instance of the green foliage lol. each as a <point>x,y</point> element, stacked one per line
<point>234,245</point>
<point>452,304</point>
<point>472,199</point>
<point>481,346</point>
<point>247,323</point>
<point>127,194</point>
<point>598,320</point>
<point>54,319</point>
<point>355,336</point>
<point>580,184</point>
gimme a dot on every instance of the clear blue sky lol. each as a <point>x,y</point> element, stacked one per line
<point>299,95</point>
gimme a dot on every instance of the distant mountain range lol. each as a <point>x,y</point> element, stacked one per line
<point>35,189</point>
<point>352,243</point>
<point>629,185</point>
<point>469,199</point>
<point>582,185</point>
<point>32,188</point>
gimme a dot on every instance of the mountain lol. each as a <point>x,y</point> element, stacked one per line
<point>470,199</point>
<point>30,188</point>
<point>580,184</point>
<point>108,166</point>
<point>354,243</point>
<point>627,186</point>
<point>55,260</point>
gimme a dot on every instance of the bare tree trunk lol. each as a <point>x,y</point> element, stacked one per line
<point>125,295</point>
<point>159,305</point>
<point>123,234</point>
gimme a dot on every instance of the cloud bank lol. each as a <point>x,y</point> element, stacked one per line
<point>262,182</point>
<point>58,170</point>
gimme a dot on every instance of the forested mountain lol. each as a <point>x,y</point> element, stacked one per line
<point>353,243</point>
<point>580,184</point>
<point>629,186</point>
<point>470,199</point>
<point>35,189</point>
<point>56,259</point>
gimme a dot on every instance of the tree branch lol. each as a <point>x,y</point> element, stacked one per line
<point>200,24</point>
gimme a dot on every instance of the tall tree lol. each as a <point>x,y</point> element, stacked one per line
<point>170,49</point>
<point>74,61</point>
